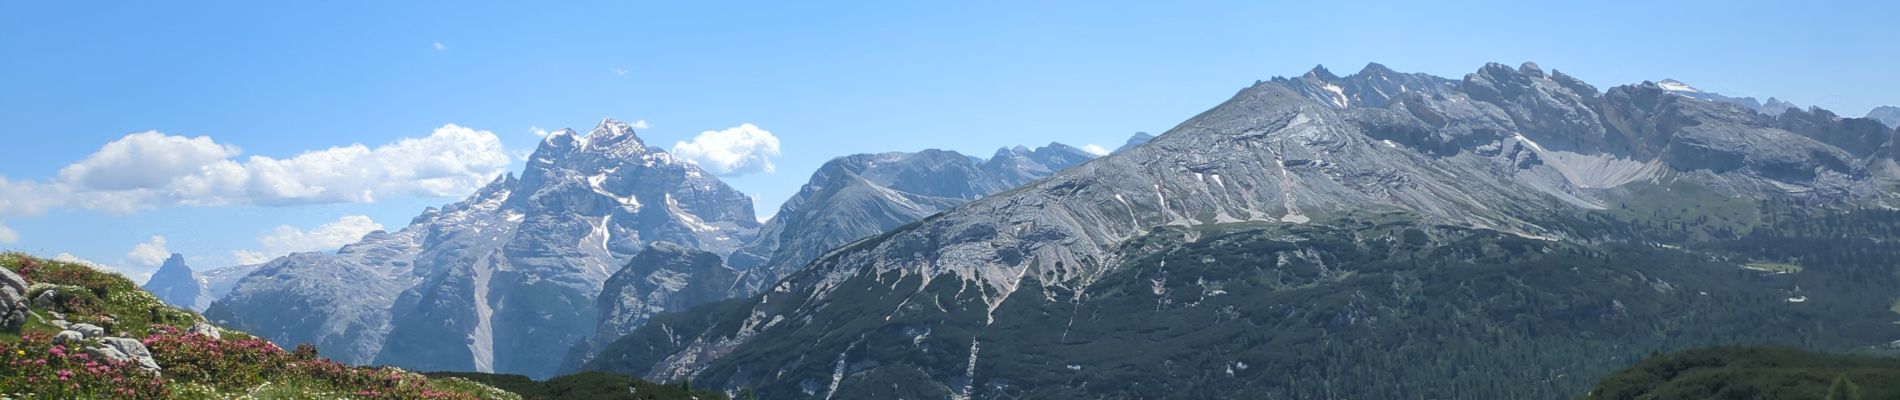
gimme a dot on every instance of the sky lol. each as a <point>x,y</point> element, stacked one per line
<point>239,131</point>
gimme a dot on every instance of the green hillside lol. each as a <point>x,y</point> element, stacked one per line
<point>1764,373</point>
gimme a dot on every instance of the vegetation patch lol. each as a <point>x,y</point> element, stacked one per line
<point>1754,373</point>
<point>195,365</point>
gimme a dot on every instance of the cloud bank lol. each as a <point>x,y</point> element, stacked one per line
<point>152,170</point>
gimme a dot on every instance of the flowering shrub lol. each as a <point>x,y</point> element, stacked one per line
<point>237,364</point>
<point>37,366</point>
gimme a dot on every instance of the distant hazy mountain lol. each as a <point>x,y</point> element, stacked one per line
<point>219,282</point>
<point>1772,107</point>
<point>177,285</point>
<point>1888,115</point>
<point>504,281</point>
<point>1136,140</point>
<point>1513,234</point>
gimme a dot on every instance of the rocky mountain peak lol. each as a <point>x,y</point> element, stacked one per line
<point>1888,115</point>
<point>614,137</point>
<point>176,284</point>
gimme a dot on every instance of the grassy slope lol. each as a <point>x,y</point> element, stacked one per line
<point>114,302</point>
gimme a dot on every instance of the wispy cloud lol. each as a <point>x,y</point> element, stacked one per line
<point>439,46</point>
<point>1096,149</point>
<point>618,71</point>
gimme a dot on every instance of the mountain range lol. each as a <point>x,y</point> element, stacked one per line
<point>1380,234</point>
<point>510,279</point>
<point>1512,234</point>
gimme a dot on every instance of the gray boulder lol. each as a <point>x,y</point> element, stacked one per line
<point>206,329</point>
<point>65,337</point>
<point>124,349</point>
<point>90,330</point>
<point>47,298</point>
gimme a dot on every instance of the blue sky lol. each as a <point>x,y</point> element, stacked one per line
<point>279,79</point>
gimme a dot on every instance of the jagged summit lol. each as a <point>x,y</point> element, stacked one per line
<point>175,283</point>
<point>510,272</point>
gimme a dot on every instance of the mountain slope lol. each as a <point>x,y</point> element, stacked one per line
<point>847,199</point>
<point>177,285</point>
<point>1284,230</point>
<point>504,280</point>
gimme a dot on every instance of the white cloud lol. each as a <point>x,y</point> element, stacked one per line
<point>538,132</point>
<point>7,235</point>
<point>144,160</point>
<point>439,46</point>
<point>738,150</point>
<point>151,253</point>
<point>1096,149</point>
<point>618,71</point>
<point>641,124</point>
<point>287,239</point>
<point>151,169</point>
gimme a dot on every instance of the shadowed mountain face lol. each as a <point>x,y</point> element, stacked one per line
<point>847,199</point>
<point>1316,236</point>
<point>503,281</point>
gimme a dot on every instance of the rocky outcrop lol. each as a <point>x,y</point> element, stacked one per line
<point>14,306</point>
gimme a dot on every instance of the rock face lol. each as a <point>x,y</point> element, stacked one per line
<point>504,281</point>
<point>847,199</point>
<point>177,285</point>
<point>1502,153</point>
<point>664,277</point>
<point>1888,115</point>
<point>13,302</point>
